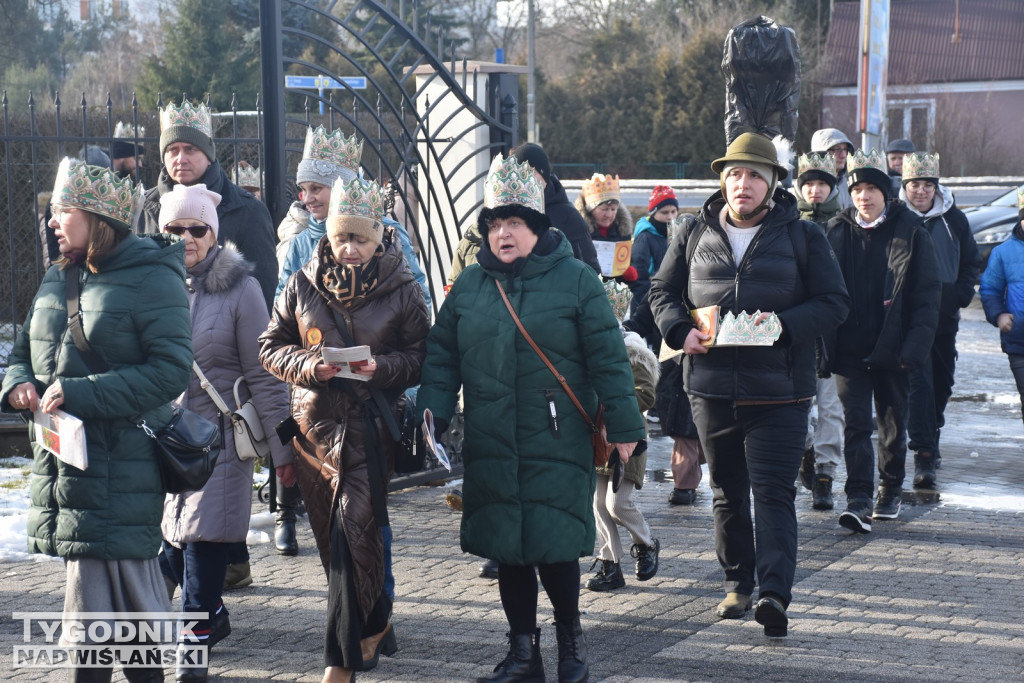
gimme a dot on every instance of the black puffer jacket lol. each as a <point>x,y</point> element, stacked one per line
<point>566,218</point>
<point>800,282</point>
<point>894,329</point>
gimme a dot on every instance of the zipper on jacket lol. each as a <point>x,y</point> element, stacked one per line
<point>549,396</point>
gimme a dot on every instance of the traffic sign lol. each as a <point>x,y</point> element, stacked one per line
<point>325,82</point>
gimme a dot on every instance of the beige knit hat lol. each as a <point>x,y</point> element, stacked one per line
<point>190,201</point>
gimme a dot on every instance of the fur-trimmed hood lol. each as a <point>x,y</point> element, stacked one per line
<point>226,270</point>
<point>622,228</point>
<point>640,353</point>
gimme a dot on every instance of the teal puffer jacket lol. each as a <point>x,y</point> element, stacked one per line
<point>527,493</point>
<point>135,316</point>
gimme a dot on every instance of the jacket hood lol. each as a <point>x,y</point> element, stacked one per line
<point>784,209</point>
<point>823,210</point>
<point>622,227</point>
<point>893,210</point>
<point>945,202</point>
<point>392,271</point>
<point>156,249</point>
<point>227,270</point>
<point>825,138</point>
<point>640,354</point>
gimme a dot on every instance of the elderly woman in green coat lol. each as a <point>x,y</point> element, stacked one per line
<point>529,470</point>
<point>103,519</point>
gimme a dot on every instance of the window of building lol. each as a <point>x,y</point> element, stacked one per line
<point>913,120</point>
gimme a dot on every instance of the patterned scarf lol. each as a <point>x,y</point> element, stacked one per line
<point>348,283</point>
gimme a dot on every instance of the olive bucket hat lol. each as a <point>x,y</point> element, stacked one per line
<point>758,153</point>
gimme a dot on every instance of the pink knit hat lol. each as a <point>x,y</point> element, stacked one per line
<point>190,201</point>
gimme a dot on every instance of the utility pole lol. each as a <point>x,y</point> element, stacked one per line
<point>531,120</point>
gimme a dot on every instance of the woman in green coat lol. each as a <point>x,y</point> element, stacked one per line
<point>103,519</point>
<point>529,471</point>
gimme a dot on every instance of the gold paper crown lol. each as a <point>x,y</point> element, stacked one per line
<point>600,188</point>
<point>816,162</point>
<point>511,182</point>
<point>920,165</point>
<point>358,197</point>
<point>1020,198</point>
<point>333,147</point>
<point>97,190</point>
<point>186,114</point>
<point>247,176</point>
<point>126,130</point>
<point>872,159</point>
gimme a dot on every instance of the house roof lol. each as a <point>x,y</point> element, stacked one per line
<point>921,45</point>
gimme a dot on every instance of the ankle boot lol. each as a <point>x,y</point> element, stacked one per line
<point>572,652</point>
<point>522,663</point>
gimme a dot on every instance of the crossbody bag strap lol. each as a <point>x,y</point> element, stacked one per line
<point>92,359</point>
<point>536,349</point>
<point>208,388</point>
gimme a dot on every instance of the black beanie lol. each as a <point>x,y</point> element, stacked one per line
<point>534,155</point>
<point>867,174</point>
<point>816,174</point>
<point>124,148</point>
<point>535,220</point>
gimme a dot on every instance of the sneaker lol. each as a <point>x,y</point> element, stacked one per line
<point>924,470</point>
<point>489,569</point>
<point>772,615</point>
<point>646,559</point>
<point>887,505</point>
<point>682,497</point>
<point>821,492</point>
<point>652,416</point>
<point>608,577</point>
<point>857,516</point>
<point>807,469</point>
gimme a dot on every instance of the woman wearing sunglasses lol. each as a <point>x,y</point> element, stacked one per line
<point>228,314</point>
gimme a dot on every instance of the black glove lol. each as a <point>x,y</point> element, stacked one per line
<point>440,427</point>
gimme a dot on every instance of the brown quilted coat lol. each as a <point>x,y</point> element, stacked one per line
<point>331,458</point>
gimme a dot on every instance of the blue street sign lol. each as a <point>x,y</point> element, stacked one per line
<point>325,82</point>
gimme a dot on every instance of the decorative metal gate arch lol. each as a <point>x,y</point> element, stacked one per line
<point>429,126</point>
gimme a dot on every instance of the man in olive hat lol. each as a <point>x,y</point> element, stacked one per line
<point>747,251</point>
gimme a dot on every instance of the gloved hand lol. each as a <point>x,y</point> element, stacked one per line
<point>628,275</point>
<point>440,427</point>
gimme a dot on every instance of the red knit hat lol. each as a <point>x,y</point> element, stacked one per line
<point>662,195</point>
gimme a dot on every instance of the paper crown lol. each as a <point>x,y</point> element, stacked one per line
<point>920,165</point>
<point>511,182</point>
<point>97,190</point>
<point>1020,198</point>
<point>619,296</point>
<point>741,330</point>
<point>247,176</point>
<point>126,130</point>
<point>332,147</point>
<point>872,159</point>
<point>186,114</point>
<point>358,197</point>
<point>600,188</point>
<point>814,161</point>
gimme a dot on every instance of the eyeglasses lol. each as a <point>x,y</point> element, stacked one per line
<point>57,210</point>
<point>198,232</point>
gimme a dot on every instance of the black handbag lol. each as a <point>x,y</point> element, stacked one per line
<point>187,447</point>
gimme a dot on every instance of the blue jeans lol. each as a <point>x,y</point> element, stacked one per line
<point>389,577</point>
<point>199,569</point>
<point>754,449</point>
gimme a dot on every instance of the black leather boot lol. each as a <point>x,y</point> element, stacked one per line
<point>572,652</point>
<point>284,532</point>
<point>522,663</point>
<point>92,675</point>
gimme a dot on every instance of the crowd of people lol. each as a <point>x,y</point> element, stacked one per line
<point>852,283</point>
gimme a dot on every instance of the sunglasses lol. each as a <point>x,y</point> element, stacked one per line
<point>198,232</point>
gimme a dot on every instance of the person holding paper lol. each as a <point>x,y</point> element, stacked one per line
<point>747,251</point>
<point>609,222</point>
<point>136,357</point>
<point>355,290</point>
<point>529,465</point>
<point>200,527</point>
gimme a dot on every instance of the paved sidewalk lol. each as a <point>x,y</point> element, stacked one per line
<point>937,595</point>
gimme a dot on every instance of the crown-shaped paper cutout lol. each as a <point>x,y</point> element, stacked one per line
<point>97,190</point>
<point>185,114</point>
<point>1020,198</point>
<point>619,296</point>
<point>332,147</point>
<point>511,182</point>
<point>920,165</point>
<point>126,130</point>
<point>872,159</point>
<point>600,188</point>
<point>740,330</point>
<point>814,161</point>
<point>248,176</point>
<point>358,197</point>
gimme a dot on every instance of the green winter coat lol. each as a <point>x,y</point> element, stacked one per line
<point>527,492</point>
<point>135,315</point>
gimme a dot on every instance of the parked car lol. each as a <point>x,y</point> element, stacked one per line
<point>992,223</point>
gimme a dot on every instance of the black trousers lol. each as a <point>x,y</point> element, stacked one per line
<point>754,449</point>
<point>517,585</point>
<point>889,388</point>
<point>931,385</point>
<point>1017,368</point>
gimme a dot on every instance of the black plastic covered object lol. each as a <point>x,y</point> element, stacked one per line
<point>761,62</point>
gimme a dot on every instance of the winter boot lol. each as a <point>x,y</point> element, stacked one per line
<point>807,469</point>
<point>572,652</point>
<point>924,470</point>
<point>821,492</point>
<point>522,663</point>
<point>608,577</point>
<point>288,500</point>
